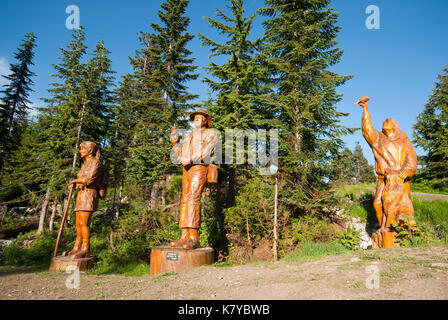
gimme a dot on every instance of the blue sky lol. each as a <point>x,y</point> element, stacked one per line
<point>396,65</point>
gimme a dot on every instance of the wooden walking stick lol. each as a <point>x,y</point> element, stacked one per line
<point>63,220</point>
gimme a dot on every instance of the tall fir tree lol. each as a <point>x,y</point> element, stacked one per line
<point>300,49</point>
<point>238,103</point>
<point>60,119</point>
<point>152,99</point>
<point>431,133</point>
<point>14,105</point>
<point>141,121</point>
<point>170,44</point>
<point>79,108</point>
<point>238,82</point>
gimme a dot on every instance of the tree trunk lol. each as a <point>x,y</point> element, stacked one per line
<point>165,185</point>
<point>248,233</point>
<point>120,194</point>
<point>43,212</point>
<point>53,214</point>
<point>154,196</point>
<point>274,247</point>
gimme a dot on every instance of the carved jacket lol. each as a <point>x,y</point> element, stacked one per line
<point>391,153</point>
<point>198,146</point>
<point>87,197</point>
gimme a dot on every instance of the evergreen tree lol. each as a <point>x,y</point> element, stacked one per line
<point>431,133</point>
<point>364,171</point>
<point>343,169</point>
<point>300,49</point>
<point>79,108</point>
<point>239,99</point>
<point>352,167</point>
<point>238,85</point>
<point>14,103</point>
<point>170,47</point>
<point>142,121</point>
<point>60,119</point>
<point>152,99</point>
<point>21,176</point>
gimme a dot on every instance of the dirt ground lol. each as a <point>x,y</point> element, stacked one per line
<point>398,273</point>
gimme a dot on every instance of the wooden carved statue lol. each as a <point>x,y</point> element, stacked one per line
<point>395,164</point>
<point>194,156</point>
<point>90,183</point>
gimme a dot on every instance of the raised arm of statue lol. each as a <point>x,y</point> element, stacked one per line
<point>175,142</point>
<point>368,131</point>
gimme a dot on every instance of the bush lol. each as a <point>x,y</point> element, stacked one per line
<point>349,238</point>
<point>310,228</point>
<point>38,253</point>
<point>409,235</point>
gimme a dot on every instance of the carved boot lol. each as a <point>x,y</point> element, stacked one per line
<point>84,252</point>
<point>75,250</point>
<point>193,239</point>
<point>182,240</point>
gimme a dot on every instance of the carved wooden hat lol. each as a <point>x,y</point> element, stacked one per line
<point>201,111</point>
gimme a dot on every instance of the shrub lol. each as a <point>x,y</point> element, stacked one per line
<point>349,238</point>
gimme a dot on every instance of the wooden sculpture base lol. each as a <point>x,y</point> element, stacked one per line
<point>383,239</point>
<point>62,263</point>
<point>166,259</point>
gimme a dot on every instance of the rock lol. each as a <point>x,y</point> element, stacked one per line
<point>5,242</point>
<point>361,227</point>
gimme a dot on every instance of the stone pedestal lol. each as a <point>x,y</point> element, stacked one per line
<point>62,263</point>
<point>166,259</point>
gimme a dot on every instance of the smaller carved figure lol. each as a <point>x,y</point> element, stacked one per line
<point>90,183</point>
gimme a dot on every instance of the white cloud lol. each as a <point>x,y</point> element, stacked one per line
<point>4,70</point>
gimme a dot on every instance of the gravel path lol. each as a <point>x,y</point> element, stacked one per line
<point>372,274</point>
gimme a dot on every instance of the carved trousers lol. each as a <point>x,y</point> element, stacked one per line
<point>378,202</point>
<point>194,178</point>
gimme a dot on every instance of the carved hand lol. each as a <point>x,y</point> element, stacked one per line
<point>362,101</point>
<point>403,174</point>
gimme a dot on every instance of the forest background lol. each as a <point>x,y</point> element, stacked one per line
<point>286,79</point>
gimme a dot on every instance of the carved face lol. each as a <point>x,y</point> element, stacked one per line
<point>86,148</point>
<point>84,151</point>
<point>199,121</point>
<point>388,127</point>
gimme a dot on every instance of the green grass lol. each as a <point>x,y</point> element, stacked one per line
<point>358,285</point>
<point>309,250</point>
<point>433,212</point>
<point>131,269</point>
<point>223,264</point>
<point>358,199</point>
